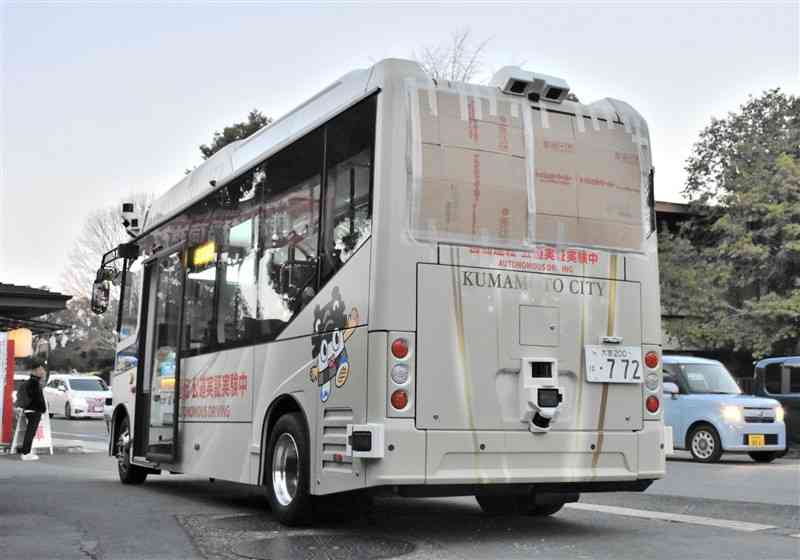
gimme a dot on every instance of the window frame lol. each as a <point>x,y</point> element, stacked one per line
<point>322,234</point>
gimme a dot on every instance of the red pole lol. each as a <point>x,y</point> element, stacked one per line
<point>8,411</point>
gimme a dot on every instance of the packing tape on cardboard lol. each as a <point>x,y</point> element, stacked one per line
<point>595,122</point>
<point>530,170</point>
<point>610,121</point>
<point>433,101</point>
<point>579,119</point>
<point>492,95</point>
<point>462,101</point>
<point>477,100</point>
<point>545,117</point>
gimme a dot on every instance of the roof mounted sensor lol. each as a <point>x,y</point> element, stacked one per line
<point>516,81</point>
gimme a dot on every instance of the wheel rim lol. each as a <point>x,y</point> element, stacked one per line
<point>703,444</point>
<point>123,447</point>
<point>285,469</point>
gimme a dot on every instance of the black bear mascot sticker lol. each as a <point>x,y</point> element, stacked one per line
<point>333,328</point>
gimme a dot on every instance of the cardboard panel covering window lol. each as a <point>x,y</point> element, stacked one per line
<point>487,169</point>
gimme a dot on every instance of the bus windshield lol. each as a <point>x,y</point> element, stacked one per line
<point>711,379</point>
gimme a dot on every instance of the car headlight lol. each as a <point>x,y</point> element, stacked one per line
<point>779,414</point>
<point>732,413</point>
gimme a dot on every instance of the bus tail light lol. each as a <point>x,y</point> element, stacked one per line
<point>652,404</point>
<point>651,360</point>
<point>400,348</point>
<point>399,399</point>
<point>400,375</point>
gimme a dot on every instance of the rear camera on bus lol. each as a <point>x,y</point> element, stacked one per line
<point>548,398</point>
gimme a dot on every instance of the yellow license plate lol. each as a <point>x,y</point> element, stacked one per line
<point>756,440</point>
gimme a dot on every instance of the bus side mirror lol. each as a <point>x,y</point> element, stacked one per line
<point>100,293</point>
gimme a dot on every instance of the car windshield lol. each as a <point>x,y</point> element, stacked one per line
<point>86,385</point>
<point>710,379</point>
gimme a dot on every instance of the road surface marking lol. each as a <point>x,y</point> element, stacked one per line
<point>797,536</point>
<point>673,517</point>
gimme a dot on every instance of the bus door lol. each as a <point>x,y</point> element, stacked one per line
<point>156,433</point>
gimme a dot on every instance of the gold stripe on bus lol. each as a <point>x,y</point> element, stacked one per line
<point>610,330</point>
<point>458,308</point>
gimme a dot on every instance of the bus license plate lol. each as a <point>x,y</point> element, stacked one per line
<point>617,364</point>
<point>756,440</point>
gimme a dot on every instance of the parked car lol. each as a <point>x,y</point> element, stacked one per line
<point>75,395</point>
<point>709,414</point>
<point>779,379</point>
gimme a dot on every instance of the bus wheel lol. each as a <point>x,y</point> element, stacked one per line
<point>128,473</point>
<point>544,510</point>
<point>288,473</point>
<point>500,505</point>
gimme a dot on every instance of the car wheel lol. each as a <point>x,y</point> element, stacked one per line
<point>705,445</point>
<point>764,456</point>
<point>288,472</point>
<point>128,472</point>
<point>67,411</point>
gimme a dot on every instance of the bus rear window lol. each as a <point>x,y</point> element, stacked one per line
<point>502,173</point>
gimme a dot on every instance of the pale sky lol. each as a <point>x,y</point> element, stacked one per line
<point>100,100</point>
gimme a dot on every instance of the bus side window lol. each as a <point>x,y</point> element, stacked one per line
<point>348,191</point>
<point>130,304</point>
<point>288,234</point>
<point>198,305</point>
<point>238,230</point>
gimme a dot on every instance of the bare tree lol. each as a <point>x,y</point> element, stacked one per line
<point>102,232</point>
<point>459,60</point>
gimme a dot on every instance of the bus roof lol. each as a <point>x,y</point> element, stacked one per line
<point>239,156</point>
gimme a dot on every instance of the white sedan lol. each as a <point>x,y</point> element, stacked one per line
<point>77,396</point>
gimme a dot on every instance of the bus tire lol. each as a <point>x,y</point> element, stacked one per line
<point>128,472</point>
<point>543,510</point>
<point>288,471</point>
<point>500,505</point>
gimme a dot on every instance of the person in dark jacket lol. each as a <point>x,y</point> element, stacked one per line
<point>33,406</point>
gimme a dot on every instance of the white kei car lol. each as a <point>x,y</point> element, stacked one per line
<point>77,396</point>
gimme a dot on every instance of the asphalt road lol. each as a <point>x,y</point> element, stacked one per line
<point>72,506</point>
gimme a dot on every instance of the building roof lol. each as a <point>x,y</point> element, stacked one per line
<point>21,305</point>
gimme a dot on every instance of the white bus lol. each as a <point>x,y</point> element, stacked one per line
<point>404,286</point>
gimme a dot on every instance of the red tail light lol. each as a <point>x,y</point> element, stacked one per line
<point>652,404</point>
<point>399,399</point>
<point>651,360</point>
<point>400,348</point>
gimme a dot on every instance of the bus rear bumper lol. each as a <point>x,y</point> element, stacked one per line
<point>627,460</point>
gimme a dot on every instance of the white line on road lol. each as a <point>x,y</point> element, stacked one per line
<point>673,517</point>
